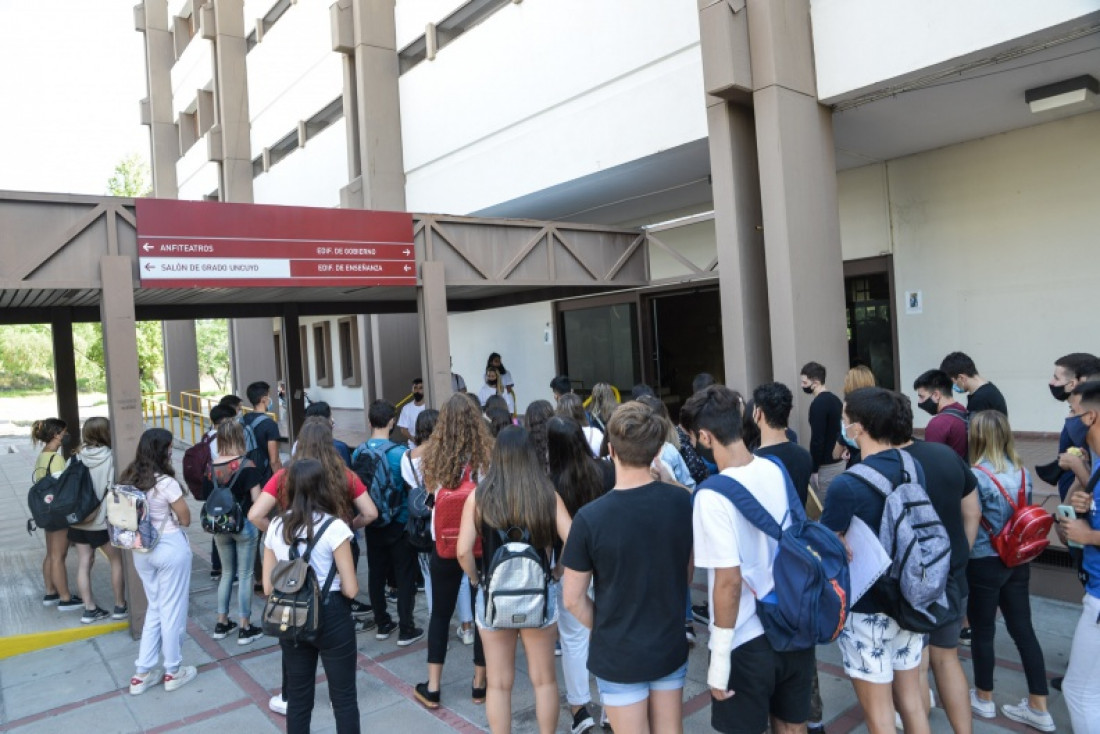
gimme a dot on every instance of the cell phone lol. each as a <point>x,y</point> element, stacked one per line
<point>1070,514</point>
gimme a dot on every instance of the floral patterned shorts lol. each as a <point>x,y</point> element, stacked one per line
<point>874,646</point>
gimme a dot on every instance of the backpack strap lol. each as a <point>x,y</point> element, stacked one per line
<point>794,504</point>
<point>956,413</point>
<point>316,536</point>
<point>745,503</point>
<point>1004,493</point>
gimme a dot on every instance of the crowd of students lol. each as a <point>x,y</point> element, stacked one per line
<point>614,499</point>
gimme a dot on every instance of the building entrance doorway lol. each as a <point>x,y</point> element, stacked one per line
<point>871,318</point>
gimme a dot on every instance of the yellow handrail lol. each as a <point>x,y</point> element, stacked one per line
<point>191,422</point>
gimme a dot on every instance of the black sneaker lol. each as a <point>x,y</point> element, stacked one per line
<point>582,721</point>
<point>430,699</point>
<point>221,629</point>
<point>1056,683</point>
<point>94,615</point>
<point>248,634</point>
<point>74,603</point>
<point>363,625</point>
<point>385,630</point>
<point>405,639</point>
<point>701,613</point>
<point>964,636</point>
<point>120,612</point>
<point>216,574</point>
<point>50,600</point>
<point>359,609</point>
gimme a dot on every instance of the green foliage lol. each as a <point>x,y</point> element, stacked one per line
<point>131,178</point>
<point>26,359</point>
<point>212,340</point>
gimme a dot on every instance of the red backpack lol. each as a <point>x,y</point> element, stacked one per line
<point>196,466</point>
<point>1024,535</point>
<point>448,517</point>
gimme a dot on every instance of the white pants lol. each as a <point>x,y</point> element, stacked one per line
<point>574,654</point>
<point>1082,684</point>
<point>465,608</point>
<point>166,575</point>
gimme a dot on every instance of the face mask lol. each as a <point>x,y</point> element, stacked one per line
<point>492,383</point>
<point>706,454</point>
<point>808,390</point>
<point>844,436</point>
<point>418,396</point>
<point>1076,430</point>
<point>928,405</point>
<point>1059,393</point>
<point>956,388</point>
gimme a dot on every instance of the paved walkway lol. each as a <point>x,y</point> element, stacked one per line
<point>84,682</point>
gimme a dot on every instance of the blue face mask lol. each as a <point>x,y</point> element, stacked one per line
<point>1076,430</point>
<point>956,388</point>
<point>844,436</point>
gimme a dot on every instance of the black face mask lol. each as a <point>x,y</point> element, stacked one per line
<point>1059,393</point>
<point>808,390</point>
<point>417,397</point>
<point>706,454</point>
<point>928,405</point>
<point>492,383</point>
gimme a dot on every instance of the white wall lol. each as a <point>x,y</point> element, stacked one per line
<point>999,235</point>
<point>412,16</point>
<point>336,396</point>
<point>859,43</point>
<point>576,87</point>
<point>517,333</point>
<point>310,176</point>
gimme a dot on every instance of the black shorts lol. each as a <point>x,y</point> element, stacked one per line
<point>765,683</point>
<point>94,538</point>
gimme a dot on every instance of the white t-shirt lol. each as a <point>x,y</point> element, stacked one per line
<point>410,470</point>
<point>320,558</point>
<point>594,436</point>
<point>725,539</point>
<point>408,417</point>
<point>160,498</point>
<point>488,391</point>
<point>457,383</point>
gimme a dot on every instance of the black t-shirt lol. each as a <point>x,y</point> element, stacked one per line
<point>241,488</point>
<point>636,543</point>
<point>949,480</point>
<point>987,397</point>
<point>849,496</point>
<point>825,417</point>
<point>265,430</point>
<point>797,462</point>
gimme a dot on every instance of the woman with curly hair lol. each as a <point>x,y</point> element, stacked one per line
<point>458,451</point>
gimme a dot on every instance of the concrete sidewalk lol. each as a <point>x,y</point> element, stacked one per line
<point>83,682</point>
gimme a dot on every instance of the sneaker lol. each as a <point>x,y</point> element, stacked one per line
<point>216,574</point>
<point>249,634</point>
<point>93,615</point>
<point>363,625</point>
<point>582,721</point>
<point>430,699</point>
<point>420,588</point>
<point>139,684</point>
<point>120,612</point>
<point>277,704</point>
<point>180,678</point>
<point>815,728</point>
<point>385,630</point>
<point>689,633</point>
<point>964,636</point>
<point>50,600</point>
<point>221,629</point>
<point>898,723</point>
<point>74,603</point>
<point>1023,713</point>
<point>701,613</point>
<point>466,635</point>
<point>359,609</point>
<point>984,709</point>
<point>404,639</point>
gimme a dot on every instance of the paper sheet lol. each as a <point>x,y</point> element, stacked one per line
<point>869,559</point>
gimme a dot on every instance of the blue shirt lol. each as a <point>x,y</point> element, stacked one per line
<point>1091,561</point>
<point>995,509</point>
<point>393,456</point>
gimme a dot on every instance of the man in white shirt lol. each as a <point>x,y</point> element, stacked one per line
<point>407,421</point>
<point>750,682</point>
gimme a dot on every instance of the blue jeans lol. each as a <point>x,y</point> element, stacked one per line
<point>238,553</point>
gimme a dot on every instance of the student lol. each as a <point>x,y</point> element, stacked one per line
<point>880,657</point>
<point>857,377</point>
<point>497,419</point>
<point>982,394</point>
<point>825,413</point>
<point>218,414</point>
<point>322,410</point>
<point>238,550</point>
<point>87,536</point>
<point>232,402</point>
<point>993,585</point>
<point>1083,672</point>
<point>459,448</point>
<point>1069,372</point>
<point>166,570</point>
<point>495,386</point>
<point>639,659</point>
<point>602,405</point>
<point>949,418</point>
<point>506,380</point>
<point>560,386</point>
<point>670,450</point>
<point>266,455</point>
<point>388,545</point>
<point>457,383</point>
<point>515,494</point>
<point>751,684</point>
<point>406,422</point>
<point>772,404</point>
<point>313,503</point>
<point>570,406</point>
<point>52,434</point>
<point>535,419</point>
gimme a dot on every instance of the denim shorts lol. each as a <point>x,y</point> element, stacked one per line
<point>627,694</point>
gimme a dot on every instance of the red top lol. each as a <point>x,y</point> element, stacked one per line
<point>949,427</point>
<point>356,488</point>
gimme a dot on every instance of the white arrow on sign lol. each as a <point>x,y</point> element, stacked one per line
<point>406,251</point>
<point>407,268</point>
<point>147,247</point>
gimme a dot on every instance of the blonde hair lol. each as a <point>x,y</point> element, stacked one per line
<point>857,377</point>
<point>604,402</point>
<point>991,440</point>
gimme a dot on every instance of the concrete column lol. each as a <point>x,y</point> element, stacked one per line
<point>181,358</point>
<point>123,390</point>
<point>252,351</point>
<point>435,342</point>
<point>798,192</point>
<point>230,139</point>
<point>64,368</point>
<point>151,18</point>
<point>292,361</point>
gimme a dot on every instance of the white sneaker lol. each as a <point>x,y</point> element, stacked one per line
<point>898,724</point>
<point>984,709</point>
<point>139,684</point>
<point>277,704</point>
<point>1023,713</point>
<point>466,635</point>
<point>180,678</point>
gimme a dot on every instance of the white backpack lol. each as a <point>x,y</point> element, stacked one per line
<point>128,519</point>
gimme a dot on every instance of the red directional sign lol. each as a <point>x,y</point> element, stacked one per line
<point>205,244</point>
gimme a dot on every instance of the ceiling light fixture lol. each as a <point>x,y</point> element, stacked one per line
<point>1080,91</point>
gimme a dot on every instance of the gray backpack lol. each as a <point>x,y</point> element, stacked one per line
<point>516,585</point>
<point>915,589</point>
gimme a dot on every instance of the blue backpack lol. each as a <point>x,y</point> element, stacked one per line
<point>810,601</point>
<point>373,469</point>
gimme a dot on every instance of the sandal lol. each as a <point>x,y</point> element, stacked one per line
<point>477,694</point>
<point>430,699</point>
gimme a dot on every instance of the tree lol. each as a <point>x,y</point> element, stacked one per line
<point>131,178</point>
<point>212,342</point>
<point>26,359</point>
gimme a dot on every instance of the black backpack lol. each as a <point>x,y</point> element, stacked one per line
<point>419,525</point>
<point>252,445</point>
<point>222,513</point>
<point>58,502</point>
<point>293,611</point>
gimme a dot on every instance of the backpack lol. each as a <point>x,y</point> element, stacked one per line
<point>293,611</point>
<point>196,466</point>
<point>918,590</point>
<point>809,604</point>
<point>958,414</point>
<point>56,502</point>
<point>222,513</point>
<point>448,517</point>
<point>516,584</point>
<point>419,526</point>
<point>373,469</point>
<point>252,448</point>
<point>1024,535</point>
<point>128,521</point>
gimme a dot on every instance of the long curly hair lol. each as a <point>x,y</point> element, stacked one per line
<point>516,493</point>
<point>315,443</point>
<point>153,457</point>
<point>460,439</point>
<point>538,413</point>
